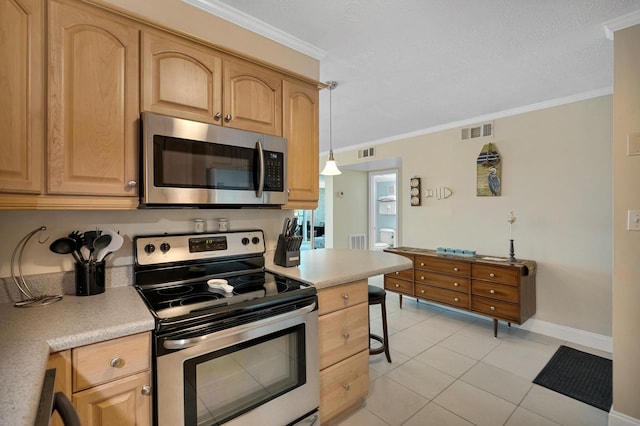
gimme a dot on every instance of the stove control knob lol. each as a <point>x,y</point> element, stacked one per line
<point>245,241</point>
<point>165,247</point>
<point>255,240</point>
<point>149,248</point>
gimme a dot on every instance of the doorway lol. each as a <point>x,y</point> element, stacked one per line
<point>383,209</point>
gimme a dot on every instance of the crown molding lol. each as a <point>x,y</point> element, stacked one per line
<point>235,16</point>
<point>620,23</point>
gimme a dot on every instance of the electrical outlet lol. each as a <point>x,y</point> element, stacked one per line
<point>633,220</point>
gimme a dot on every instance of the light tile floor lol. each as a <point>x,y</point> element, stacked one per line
<point>448,369</point>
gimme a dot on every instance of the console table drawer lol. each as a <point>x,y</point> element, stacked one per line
<point>440,295</point>
<point>445,266</point>
<point>398,286</point>
<point>508,293</point>
<point>450,282</point>
<point>405,274</point>
<point>504,275</point>
<point>496,308</point>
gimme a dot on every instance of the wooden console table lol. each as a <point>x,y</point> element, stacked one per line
<point>499,289</point>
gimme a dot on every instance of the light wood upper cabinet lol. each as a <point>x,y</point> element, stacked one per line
<point>21,95</point>
<point>252,97</point>
<point>300,127</point>
<point>93,102</point>
<point>181,78</point>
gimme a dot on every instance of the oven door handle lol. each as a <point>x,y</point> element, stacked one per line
<point>193,341</point>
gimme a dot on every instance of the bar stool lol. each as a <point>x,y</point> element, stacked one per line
<point>377,296</point>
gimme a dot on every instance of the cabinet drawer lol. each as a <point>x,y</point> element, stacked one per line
<point>508,293</point>
<point>343,333</point>
<point>398,286</point>
<point>106,361</point>
<point>496,308</point>
<point>342,296</point>
<point>446,266</point>
<point>344,385</point>
<point>504,275</point>
<point>440,295</point>
<point>450,282</point>
<point>405,274</point>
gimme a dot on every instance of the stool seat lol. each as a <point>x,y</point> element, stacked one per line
<point>377,296</point>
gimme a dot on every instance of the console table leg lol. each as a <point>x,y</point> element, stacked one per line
<point>495,327</point>
<point>400,301</point>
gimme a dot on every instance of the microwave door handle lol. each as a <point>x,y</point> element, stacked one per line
<point>260,169</point>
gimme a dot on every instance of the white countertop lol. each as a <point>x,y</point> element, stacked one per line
<point>328,267</point>
<point>28,335</point>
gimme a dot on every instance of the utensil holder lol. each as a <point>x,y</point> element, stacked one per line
<point>285,255</point>
<point>90,278</point>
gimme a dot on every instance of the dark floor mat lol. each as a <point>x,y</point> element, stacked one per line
<point>579,375</point>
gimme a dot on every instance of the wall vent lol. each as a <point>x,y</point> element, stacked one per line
<point>480,131</point>
<point>357,241</point>
<point>366,153</point>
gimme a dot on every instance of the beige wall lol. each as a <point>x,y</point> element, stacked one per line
<point>191,20</point>
<point>626,244</point>
<point>557,179</point>
<point>350,210</point>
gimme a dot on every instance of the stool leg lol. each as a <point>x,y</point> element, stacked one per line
<point>385,332</point>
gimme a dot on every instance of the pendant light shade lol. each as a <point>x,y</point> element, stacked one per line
<point>330,168</point>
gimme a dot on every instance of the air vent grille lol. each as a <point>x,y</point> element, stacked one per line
<point>366,153</point>
<point>474,132</point>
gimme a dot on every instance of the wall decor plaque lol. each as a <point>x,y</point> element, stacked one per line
<point>489,171</point>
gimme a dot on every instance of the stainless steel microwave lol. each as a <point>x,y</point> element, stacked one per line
<point>192,164</point>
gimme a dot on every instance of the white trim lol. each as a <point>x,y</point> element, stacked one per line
<point>488,117</point>
<point>235,16</point>
<point>574,335</point>
<point>619,419</point>
<point>620,23</point>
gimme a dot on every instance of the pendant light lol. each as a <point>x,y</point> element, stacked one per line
<point>330,167</point>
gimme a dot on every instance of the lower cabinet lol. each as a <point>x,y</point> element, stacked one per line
<point>344,348</point>
<point>108,382</point>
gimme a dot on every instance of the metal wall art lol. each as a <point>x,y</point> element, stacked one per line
<point>489,170</point>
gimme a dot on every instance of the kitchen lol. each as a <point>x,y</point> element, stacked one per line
<point>138,222</point>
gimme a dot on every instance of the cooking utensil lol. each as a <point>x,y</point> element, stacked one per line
<point>79,239</point>
<point>114,245</point>
<point>65,245</point>
<point>100,243</point>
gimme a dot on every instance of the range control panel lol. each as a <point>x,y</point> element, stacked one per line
<point>168,248</point>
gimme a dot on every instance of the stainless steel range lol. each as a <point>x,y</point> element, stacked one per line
<point>233,344</point>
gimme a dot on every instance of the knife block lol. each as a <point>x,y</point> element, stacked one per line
<point>283,257</point>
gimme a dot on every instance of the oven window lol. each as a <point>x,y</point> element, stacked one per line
<point>184,163</point>
<point>222,385</point>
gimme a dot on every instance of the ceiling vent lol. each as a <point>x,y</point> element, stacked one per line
<point>480,131</point>
<point>366,153</point>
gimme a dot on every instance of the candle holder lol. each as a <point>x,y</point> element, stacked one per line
<point>511,218</point>
<point>512,257</point>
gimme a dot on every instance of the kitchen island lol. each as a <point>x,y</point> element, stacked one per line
<point>29,335</point>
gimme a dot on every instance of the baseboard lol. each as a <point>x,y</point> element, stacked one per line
<point>574,335</point>
<point>619,419</point>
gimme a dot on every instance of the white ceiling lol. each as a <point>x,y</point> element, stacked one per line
<point>414,66</point>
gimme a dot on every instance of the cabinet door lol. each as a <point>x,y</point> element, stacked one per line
<point>93,102</point>
<point>252,98</point>
<point>300,115</point>
<point>21,99</point>
<point>61,361</point>
<point>181,78</point>
<point>122,402</point>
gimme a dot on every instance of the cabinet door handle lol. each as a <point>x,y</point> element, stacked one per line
<point>345,335</point>
<point>492,291</point>
<point>228,117</point>
<point>132,184</point>
<point>346,386</point>
<point>145,390</point>
<point>116,362</point>
<point>492,275</point>
<point>218,116</point>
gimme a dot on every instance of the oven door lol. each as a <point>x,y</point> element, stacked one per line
<point>265,372</point>
<point>186,162</point>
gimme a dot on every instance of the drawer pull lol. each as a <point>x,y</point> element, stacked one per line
<point>456,284</point>
<point>346,386</point>
<point>146,390</point>
<point>397,272</point>
<point>422,291</point>
<point>345,297</point>
<point>397,285</point>
<point>456,299</point>
<point>421,263</point>
<point>492,275</point>
<point>345,335</point>
<point>493,308</point>
<point>422,278</point>
<point>456,269</point>
<point>492,291</point>
<point>116,362</point>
